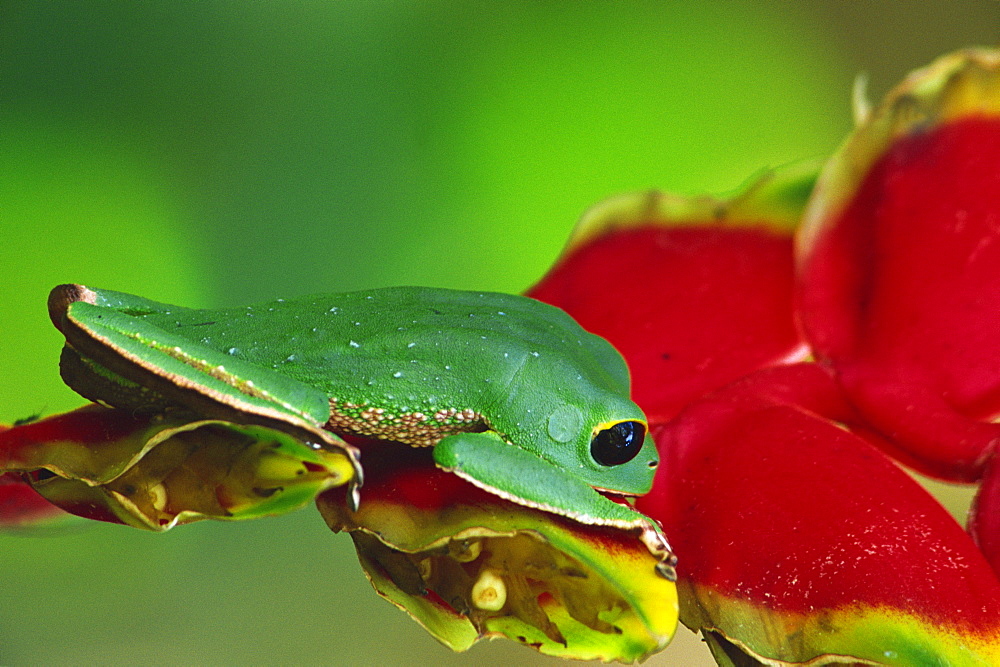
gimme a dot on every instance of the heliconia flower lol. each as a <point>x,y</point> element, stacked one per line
<point>898,264</point>
<point>694,293</point>
<point>799,541</point>
<point>468,565</point>
<point>155,472</point>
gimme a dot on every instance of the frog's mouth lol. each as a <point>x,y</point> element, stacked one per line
<point>467,564</point>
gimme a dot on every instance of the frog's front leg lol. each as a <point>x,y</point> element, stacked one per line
<point>513,473</point>
<point>489,462</point>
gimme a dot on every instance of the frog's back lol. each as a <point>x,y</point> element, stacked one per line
<point>411,363</point>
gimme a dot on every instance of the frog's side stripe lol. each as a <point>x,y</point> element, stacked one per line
<point>205,369</point>
<point>418,429</point>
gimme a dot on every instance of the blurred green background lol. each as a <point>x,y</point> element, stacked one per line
<point>220,153</point>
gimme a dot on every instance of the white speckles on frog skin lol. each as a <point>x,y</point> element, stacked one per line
<point>416,428</point>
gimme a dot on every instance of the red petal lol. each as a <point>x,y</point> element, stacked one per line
<point>693,292</point>
<point>900,287</point>
<point>984,517</point>
<point>774,508</point>
<point>22,507</point>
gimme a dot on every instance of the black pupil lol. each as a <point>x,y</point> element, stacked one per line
<point>618,444</point>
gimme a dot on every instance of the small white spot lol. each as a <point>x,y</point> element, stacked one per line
<point>397,374</point>
<point>412,345</point>
<point>354,343</point>
<point>534,354</point>
<point>334,309</point>
<point>500,312</point>
<point>290,357</point>
<point>232,350</point>
<point>447,368</point>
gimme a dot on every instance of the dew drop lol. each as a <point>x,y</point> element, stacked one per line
<point>397,374</point>
<point>411,345</point>
<point>232,350</point>
<point>354,343</point>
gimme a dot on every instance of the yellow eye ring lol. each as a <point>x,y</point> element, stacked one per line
<point>615,443</point>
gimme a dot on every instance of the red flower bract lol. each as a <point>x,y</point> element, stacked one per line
<point>798,539</point>
<point>898,280</point>
<point>788,523</point>
<point>694,293</point>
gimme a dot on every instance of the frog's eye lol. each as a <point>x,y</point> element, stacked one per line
<point>618,444</point>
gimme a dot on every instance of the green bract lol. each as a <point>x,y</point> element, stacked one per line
<point>468,373</point>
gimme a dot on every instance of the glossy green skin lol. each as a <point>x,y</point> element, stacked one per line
<point>530,374</point>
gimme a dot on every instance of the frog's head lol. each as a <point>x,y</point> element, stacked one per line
<point>605,443</point>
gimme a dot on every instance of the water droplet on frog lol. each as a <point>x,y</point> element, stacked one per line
<point>333,310</point>
<point>290,357</point>
<point>411,345</point>
<point>500,312</point>
<point>397,374</point>
<point>232,350</point>
<point>354,343</point>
